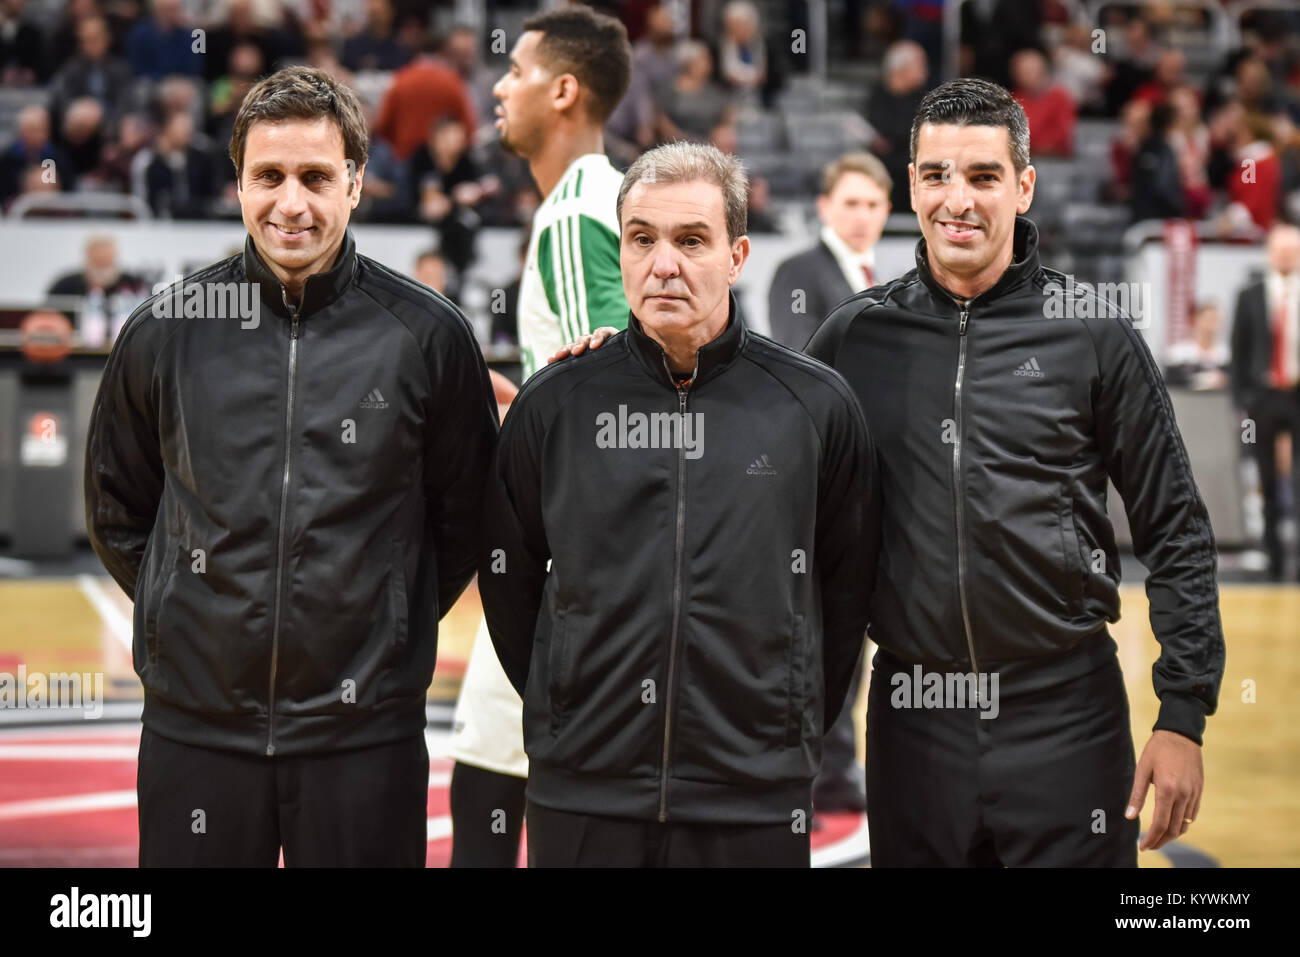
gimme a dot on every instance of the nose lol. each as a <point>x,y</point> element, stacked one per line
<point>292,201</point>
<point>499,87</point>
<point>958,200</point>
<point>666,265</point>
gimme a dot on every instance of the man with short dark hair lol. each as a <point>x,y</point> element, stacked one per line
<point>284,472</point>
<point>681,535</point>
<point>1001,405</point>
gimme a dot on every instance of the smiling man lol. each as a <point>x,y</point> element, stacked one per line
<point>999,418</point>
<point>292,503</point>
<point>680,533</point>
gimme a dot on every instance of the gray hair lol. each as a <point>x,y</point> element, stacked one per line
<point>687,162</point>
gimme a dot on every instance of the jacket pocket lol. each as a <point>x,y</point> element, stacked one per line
<point>1075,569</point>
<point>558,670</point>
<point>796,677</point>
<point>397,594</point>
<point>154,615</point>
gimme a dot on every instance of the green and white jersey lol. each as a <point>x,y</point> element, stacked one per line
<point>571,282</point>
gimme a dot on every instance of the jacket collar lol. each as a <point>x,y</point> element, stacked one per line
<point>711,359</point>
<point>1024,265</point>
<point>318,291</point>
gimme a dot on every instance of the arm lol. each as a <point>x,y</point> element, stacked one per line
<point>461,438</point>
<point>848,545</point>
<point>512,566</point>
<point>1146,459</point>
<point>124,467</point>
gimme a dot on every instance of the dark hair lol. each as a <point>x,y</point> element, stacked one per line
<point>971,102</point>
<point>302,93</point>
<point>591,46</point>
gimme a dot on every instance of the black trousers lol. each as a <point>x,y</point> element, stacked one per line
<point>201,807</point>
<point>1043,784</point>
<point>561,839</point>
<point>1276,411</point>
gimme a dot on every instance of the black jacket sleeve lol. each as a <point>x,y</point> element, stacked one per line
<point>1242,360</point>
<point>513,562</point>
<point>1148,463</point>
<point>461,438</point>
<point>124,468</point>
<point>787,328</point>
<point>848,545</point>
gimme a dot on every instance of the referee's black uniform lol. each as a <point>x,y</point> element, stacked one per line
<point>998,421</point>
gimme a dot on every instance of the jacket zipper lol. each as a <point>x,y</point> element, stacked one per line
<point>284,506</point>
<point>959,496</point>
<point>677,589</point>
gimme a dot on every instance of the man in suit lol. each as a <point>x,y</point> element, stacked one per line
<point>1266,373</point>
<point>853,207</point>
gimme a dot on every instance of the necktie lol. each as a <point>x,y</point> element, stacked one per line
<point>871,279</point>
<point>1284,359</point>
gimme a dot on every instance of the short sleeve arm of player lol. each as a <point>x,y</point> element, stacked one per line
<point>578,259</point>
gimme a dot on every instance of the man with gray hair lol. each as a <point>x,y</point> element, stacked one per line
<point>678,668</point>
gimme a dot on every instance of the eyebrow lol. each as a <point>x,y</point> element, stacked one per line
<point>989,166</point>
<point>697,227</point>
<point>308,167</point>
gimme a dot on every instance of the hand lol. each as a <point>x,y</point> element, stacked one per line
<point>592,340</point>
<point>1173,764</point>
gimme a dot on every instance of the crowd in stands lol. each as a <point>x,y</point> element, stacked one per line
<point>139,96</point>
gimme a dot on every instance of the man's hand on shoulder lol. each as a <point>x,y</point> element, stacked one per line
<point>593,340</point>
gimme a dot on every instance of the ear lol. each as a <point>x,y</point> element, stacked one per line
<point>356,185</point>
<point>1026,189</point>
<point>911,183</point>
<point>739,253</point>
<point>565,91</point>
<point>823,207</point>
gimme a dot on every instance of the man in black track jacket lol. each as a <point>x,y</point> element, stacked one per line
<point>1001,400</point>
<point>706,501</point>
<point>284,471</point>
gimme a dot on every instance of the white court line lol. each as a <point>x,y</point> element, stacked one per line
<point>857,845</point>
<point>75,804</point>
<point>118,623</point>
<point>68,752</point>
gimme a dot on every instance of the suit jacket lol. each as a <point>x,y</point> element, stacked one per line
<point>1252,346</point>
<point>818,274</point>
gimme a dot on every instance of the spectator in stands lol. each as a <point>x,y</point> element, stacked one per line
<point>108,290</point>
<point>1222,124</point>
<point>32,147</point>
<point>93,72</point>
<point>163,45</point>
<point>240,25</point>
<point>175,177</point>
<point>376,46</point>
<point>431,269</point>
<point>1135,126</point>
<point>133,134</point>
<point>22,47</point>
<point>1286,137</point>
<point>1190,139</point>
<point>1082,72</point>
<point>742,51</point>
<point>1157,182</point>
<point>1201,360</point>
<point>447,187</point>
<point>64,42</point>
<point>992,31</point>
<point>890,108</point>
<point>1047,104</point>
<point>82,140</point>
<point>461,52</point>
<point>1135,63</point>
<point>630,130</point>
<point>421,92</point>
<point>1266,374</point>
<point>1255,90</point>
<point>694,105</point>
<point>853,207</point>
<point>1255,184</point>
<point>1170,73</point>
<point>387,196</point>
<point>226,94</point>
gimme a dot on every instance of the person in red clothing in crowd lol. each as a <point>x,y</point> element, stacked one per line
<point>1170,74</point>
<point>1047,104</point>
<point>421,92</point>
<point>1190,139</point>
<point>1255,184</point>
<point>1135,123</point>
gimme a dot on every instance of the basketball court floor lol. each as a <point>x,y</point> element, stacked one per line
<point>67,784</point>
